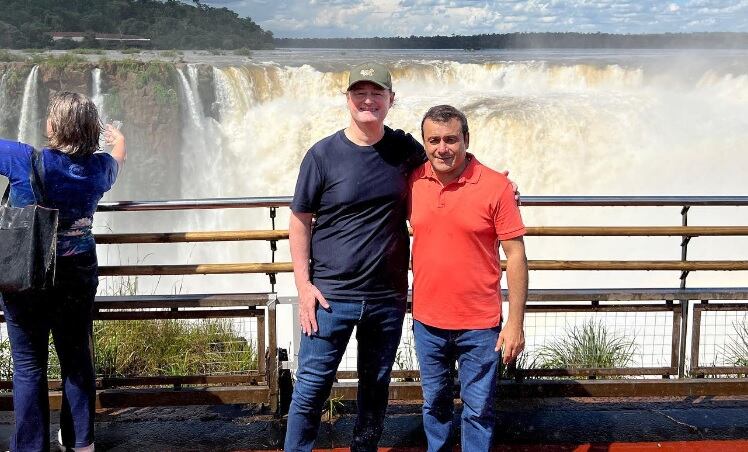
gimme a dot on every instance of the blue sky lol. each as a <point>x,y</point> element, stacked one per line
<point>365,18</point>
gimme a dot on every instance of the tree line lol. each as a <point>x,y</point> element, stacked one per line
<point>170,24</point>
<point>715,40</point>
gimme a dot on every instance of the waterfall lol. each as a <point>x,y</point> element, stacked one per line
<point>562,127</point>
<point>4,98</point>
<point>6,73</point>
<point>28,126</point>
<point>192,96</point>
<point>570,126</point>
<point>97,96</point>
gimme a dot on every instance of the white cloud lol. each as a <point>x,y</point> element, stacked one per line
<point>363,18</point>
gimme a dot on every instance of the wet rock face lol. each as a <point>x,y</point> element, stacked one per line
<point>144,97</point>
<point>76,78</point>
<point>205,90</point>
<point>11,95</point>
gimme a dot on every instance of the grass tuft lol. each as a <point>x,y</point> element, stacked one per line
<point>589,346</point>
<point>736,349</point>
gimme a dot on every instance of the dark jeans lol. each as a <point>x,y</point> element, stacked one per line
<point>378,329</point>
<point>474,351</point>
<point>66,310</point>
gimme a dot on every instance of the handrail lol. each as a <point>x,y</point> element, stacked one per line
<point>613,294</point>
<point>285,267</point>
<point>543,231</point>
<point>285,201</point>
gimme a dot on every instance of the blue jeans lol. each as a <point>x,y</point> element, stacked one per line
<point>378,330</point>
<point>474,351</point>
<point>66,310</point>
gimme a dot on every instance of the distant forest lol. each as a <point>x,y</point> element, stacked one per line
<point>532,41</point>
<point>170,24</point>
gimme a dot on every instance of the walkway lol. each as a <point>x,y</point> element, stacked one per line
<point>537,425</point>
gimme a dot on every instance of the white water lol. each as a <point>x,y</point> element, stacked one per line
<point>97,96</point>
<point>3,100</point>
<point>28,127</point>
<point>564,124</point>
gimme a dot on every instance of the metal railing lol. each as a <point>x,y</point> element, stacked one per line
<point>262,385</point>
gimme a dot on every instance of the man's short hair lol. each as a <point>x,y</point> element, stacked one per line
<point>445,113</point>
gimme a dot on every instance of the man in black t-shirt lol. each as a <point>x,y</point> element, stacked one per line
<point>351,265</point>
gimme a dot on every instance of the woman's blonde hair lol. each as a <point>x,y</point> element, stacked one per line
<point>74,124</point>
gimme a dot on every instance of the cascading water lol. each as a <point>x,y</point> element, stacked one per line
<point>4,110</point>
<point>28,127</point>
<point>564,126</point>
<point>581,128</point>
<point>97,96</point>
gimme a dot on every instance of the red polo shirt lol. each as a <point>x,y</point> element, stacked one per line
<point>456,232</point>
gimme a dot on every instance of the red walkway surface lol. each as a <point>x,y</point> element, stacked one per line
<point>674,446</point>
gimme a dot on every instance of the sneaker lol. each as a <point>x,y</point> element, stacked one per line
<point>59,440</point>
<point>89,448</point>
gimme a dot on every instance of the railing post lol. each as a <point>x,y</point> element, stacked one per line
<point>684,304</point>
<point>271,355</point>
<point>273,248</point>
<point>696,336</point>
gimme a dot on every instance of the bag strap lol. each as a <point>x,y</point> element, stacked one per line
<point>37,177</point>
<point>6,195</point>
<point>37,181</point>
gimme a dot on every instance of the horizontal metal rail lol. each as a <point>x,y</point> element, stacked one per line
<point>285,201</point>
<point>556,231</point>
<point>286,267</point>
<point>578,388</point>
<point>615,294</point>
<point>254,300</point>
<point>249,377</point>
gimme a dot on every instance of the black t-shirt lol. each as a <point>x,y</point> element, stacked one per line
<point>359,194</point>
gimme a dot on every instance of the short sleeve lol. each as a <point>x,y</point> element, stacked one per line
<point>14,157</point>
<point>109,170</point>
<point>306,197</point>
<point>507,219</point>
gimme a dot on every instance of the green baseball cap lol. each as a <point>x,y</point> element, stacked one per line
<point>370,72</point>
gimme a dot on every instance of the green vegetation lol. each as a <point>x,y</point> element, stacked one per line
<point>244,51</point>
<point>126,348</point>
<point>152,72</point>
<point>131,51</point>
<point>170,24</point>
<point>88,51</point>
<point>57,62</point>
<point>8,57</point>
<point>548,40</point>
<point>737,347</point>
<point>170,347</point>
<point>6,363</point>
<point>333,407</point>
<point>590,345</point>
<point>170,54</point>
<point>165,95</point>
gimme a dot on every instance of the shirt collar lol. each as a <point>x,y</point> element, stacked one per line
<point>470,175</point>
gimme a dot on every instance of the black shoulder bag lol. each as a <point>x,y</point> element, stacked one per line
<point>28,238</point>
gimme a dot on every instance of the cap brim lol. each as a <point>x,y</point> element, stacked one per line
<point>367,81</point>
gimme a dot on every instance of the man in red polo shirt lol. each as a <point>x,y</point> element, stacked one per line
<point>460,211</point>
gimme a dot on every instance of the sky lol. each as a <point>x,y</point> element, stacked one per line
<point>368,18</point>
